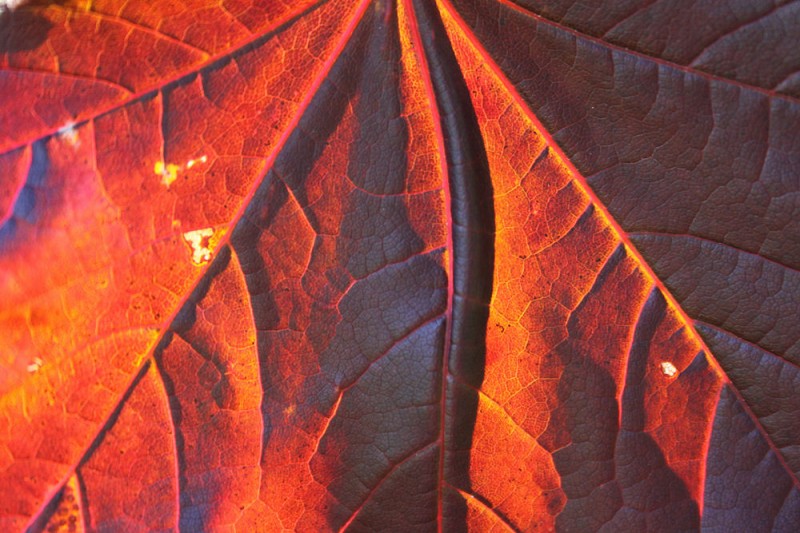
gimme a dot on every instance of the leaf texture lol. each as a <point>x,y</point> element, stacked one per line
<point>399,265</point>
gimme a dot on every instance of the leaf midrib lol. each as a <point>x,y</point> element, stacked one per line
<point>624,236</point>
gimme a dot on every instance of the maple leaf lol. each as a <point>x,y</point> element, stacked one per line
<point>399,265</point>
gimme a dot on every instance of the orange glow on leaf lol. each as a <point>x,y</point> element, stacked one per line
<point>412,265</point>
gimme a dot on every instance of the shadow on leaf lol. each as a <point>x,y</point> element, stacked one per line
<point>26,27</point>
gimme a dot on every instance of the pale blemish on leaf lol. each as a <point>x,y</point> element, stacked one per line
<point>199,241</point>
<point>193,162</point>
<point>668,369</point>
<point>70,134</point>
<point>167,171</point>
<point>35,365</point>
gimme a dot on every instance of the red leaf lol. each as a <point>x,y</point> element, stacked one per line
<point>399,265</point>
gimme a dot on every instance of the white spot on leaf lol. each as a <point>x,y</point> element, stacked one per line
<point>35,365</point>
<point>668,369</point>
<point>193,162</point>
<point>199,241</point>
<point>70,134</point>
<point>168,172</point>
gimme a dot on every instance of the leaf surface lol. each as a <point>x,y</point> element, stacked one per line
<point>403,265</point>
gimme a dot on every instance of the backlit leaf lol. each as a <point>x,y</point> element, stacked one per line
<point>400,265</point>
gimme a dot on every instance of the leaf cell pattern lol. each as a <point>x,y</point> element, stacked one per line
<point>407,265</point>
